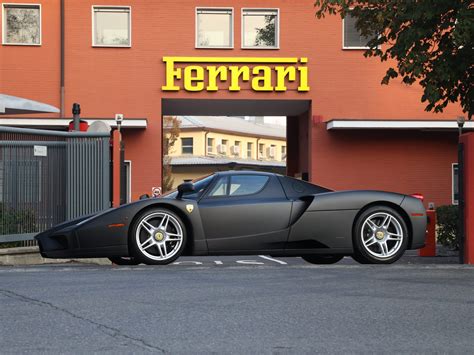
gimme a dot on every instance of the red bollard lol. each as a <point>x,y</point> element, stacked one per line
<point>430,237</point>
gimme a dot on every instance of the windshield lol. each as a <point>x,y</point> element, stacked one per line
<point>200,185</point>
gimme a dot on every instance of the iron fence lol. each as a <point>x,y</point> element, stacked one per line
<point>48,177</point>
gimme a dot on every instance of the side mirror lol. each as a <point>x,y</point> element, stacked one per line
<point>185,187</point>
<point>144,197</point>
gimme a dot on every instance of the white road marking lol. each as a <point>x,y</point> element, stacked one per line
<point>187,262</point>
<point>249,262</point>
<point>271,259</point>
<point>218,262</point>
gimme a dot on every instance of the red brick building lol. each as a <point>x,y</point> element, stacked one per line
<point>235,57</point>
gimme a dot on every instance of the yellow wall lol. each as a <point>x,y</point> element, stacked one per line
<point>199,138</point>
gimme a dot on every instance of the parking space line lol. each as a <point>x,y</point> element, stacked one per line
<point>271,259</point>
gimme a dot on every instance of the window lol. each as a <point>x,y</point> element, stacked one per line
<point>220,188</point>
<point>260,28</point>
<point>237,148</point>
<point>261,150</point>
<point>249,150</point>
<point>187,145</point>
<point>111,26</point>
<point>283,152</point>
<point>210,145</point>
<point>352,37</point>
<point>21,24</point>
<point>246,184</point>
<point>240,185</point>
<point>214,28</point>
<point>224,142</point>
<point>455,183</point>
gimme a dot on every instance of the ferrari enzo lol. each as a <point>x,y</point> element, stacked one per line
<point>246,212</point>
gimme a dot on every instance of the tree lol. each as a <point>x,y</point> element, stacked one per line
<point>266,35</point>
<point>431,42</point>
<point>171,129</point>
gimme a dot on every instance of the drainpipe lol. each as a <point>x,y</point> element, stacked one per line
<point>205,143</point>
<point>258,148</point>
<point>61,66</point>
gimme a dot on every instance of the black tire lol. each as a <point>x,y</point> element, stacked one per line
<point>322,259</point>
<point>154,254</point>
<point>124,260</point>
<point>375,244</point>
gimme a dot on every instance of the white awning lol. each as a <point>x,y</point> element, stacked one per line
<point>57,123</point>
<point>13,105</point>
<point>338,124</point>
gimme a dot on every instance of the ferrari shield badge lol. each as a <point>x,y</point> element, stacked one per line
<point>189,208</point>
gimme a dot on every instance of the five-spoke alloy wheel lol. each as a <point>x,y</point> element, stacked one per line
<point>158,237</point>
<point>380,236</point>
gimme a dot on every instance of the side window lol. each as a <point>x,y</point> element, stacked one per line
<point>246,184</point>
<point>220,188</point>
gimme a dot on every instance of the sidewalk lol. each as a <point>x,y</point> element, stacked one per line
<point>31,256</point>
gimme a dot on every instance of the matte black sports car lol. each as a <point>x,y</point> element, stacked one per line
<point>247,212</point>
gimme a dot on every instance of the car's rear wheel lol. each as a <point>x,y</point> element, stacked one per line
<point>322,259</point>
<point>158,237</point>
<point>380,236</point>
<point>124,260</point>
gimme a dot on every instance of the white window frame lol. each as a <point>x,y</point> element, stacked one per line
<point>454,202</point>
<point>210,147</point>
<point>344,44</point>
<point>129,30</point>
<point>196,42</point>
<point>277,28</point>
<point>4,23</point>
<point>187,146</point>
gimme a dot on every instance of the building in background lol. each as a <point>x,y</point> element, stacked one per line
<point>216,143</point>
<point>149,59</point>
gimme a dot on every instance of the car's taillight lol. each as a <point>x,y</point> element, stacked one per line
<point>418,196</point>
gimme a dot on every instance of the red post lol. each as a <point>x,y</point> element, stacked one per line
<point>116,139</point>
<point>468,141</point>
<point>430,238</point>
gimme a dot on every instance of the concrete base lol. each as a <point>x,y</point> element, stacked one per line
<point>31,256</point>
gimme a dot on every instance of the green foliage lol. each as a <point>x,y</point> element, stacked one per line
<point>266,34</point>
<point>447,221</point>
<point>171,131</point>
<point>16,222</point>
<point>431,41</point>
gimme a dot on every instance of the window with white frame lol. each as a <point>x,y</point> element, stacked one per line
<point>210,145</point>
<point>111,26</point>
<point>21,24</point>
<point>214,28</point>
<point>455,183</point>
<point>352,37</point>
<point>249,150</point>
<point>260,28</point>
<point>187,145</point>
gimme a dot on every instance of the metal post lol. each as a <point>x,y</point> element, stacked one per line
<point>461,226</point>
<point>76,112</point>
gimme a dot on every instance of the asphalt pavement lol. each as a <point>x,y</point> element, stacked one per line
<point>242,305</point>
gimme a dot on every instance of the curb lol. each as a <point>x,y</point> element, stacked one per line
<point>31,256</point>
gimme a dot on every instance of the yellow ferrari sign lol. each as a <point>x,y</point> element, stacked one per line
<point>261,74</point>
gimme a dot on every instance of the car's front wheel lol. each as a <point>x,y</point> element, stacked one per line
<point>158,237</point>
<point>380,236</point>
<point>322,259</point>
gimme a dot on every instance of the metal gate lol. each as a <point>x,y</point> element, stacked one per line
<point>48,177</point>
